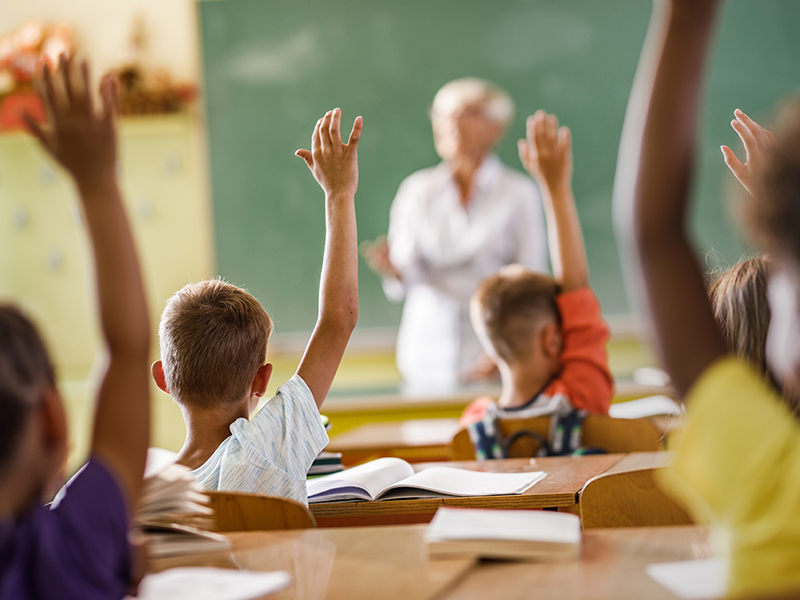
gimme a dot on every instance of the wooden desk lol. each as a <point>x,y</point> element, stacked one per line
<point>341,564</point>
<point>566,476</point>
<point>414,440</point>
<point>612,565</point>
<point>387,563</point>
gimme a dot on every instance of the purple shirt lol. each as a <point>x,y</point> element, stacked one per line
<point>76,549</point>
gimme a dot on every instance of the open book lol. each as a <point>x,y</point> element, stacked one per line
<point>503,534</point>
<point>173,516</point>
<point>394,478</point>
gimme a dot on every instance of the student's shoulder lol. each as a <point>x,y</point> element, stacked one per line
<point>293,399</point>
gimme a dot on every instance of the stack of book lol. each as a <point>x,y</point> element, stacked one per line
<point>325,463</point>
<point>503,534</point>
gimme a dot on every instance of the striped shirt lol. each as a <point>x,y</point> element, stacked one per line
<point>271,453</point>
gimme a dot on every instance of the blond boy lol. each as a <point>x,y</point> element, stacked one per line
<point>214,336</point>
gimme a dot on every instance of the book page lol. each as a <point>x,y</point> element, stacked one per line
<point>207,583</point>
<point>694,579</point>
<point>487,524</point>
<point>371,478</point>
<point>439,481</point>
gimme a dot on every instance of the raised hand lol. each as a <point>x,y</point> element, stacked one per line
<point>335,166</point>
<point>81,139</point>
<point>333,163</point>
<point>756,140</point>
<point>547,152</point>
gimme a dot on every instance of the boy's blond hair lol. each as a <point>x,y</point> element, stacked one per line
<point>509,307</point>
<point>213,338</point>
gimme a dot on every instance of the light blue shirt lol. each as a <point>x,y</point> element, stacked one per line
<point>271,453</point>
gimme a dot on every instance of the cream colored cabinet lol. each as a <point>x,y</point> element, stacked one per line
<point>44,254</point>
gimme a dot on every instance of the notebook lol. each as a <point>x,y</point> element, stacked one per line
<point>503,534</point>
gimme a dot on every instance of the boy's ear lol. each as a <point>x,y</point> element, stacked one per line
<point>157,370</point>
<point>261,380</point>
<point>552,340</point>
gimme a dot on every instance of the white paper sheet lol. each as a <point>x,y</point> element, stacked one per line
<point>693,579</point>
<point>208,583</point>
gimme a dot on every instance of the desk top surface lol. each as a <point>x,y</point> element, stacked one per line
<point>388,563</point>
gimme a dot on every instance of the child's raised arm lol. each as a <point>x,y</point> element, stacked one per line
<point>547,155</point>
<point>335,166</point>
<point>652,185</point>
<point>85,143</point>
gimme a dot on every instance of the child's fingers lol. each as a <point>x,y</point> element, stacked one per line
<point>109,95</point>
<point>315,138</point>
<point>552,128</point>
<point>532,121</point>
<point>87,91</point>
<point>307,157</point>
<point>565,138</point>
<point>539,131</point>
<point>355,134</point>
<point>34,129</point>
<point>325,132</point>
<point>745,134</point>
<point>47,89</point>
<point>522,150</point>
<point>756,129</point>
<point>336,127</point>
<point>734,164</point>
<point>63,71</point>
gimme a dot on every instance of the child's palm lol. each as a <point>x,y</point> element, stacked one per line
<point>82,141</point>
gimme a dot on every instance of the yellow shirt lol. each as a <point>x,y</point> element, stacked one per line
<point>738,463</point>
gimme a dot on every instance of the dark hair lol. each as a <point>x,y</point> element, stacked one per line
<point>773,217</point>
<point>509,306</point>
<point>25,371</point>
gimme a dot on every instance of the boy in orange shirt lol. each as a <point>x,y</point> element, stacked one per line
<point>546,333</point>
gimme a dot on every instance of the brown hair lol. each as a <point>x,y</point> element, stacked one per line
<point>509,306</point>
<point>773,217</point>
<point>739,301</point>
<point>213,338</point>
<point>25,372</point>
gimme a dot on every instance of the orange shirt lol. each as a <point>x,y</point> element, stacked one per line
<point>583,380</point>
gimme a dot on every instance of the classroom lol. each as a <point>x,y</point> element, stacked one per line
<point>216,97</point>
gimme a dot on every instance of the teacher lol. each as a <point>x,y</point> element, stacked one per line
<point>450,227</point>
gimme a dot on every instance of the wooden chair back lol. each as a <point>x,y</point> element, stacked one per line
<point>238,511</point>
<point>629,499</point>
<point>599,431</point>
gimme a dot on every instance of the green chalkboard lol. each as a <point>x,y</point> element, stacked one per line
<point>271,68</point>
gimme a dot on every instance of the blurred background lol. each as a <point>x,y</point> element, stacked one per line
<point>219,94</point>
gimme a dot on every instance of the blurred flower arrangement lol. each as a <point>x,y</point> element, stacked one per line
<point>19,52</point>
<point>20,49</point>
<point>142,91</point>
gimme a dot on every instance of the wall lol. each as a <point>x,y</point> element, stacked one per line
<point>104,29</point>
